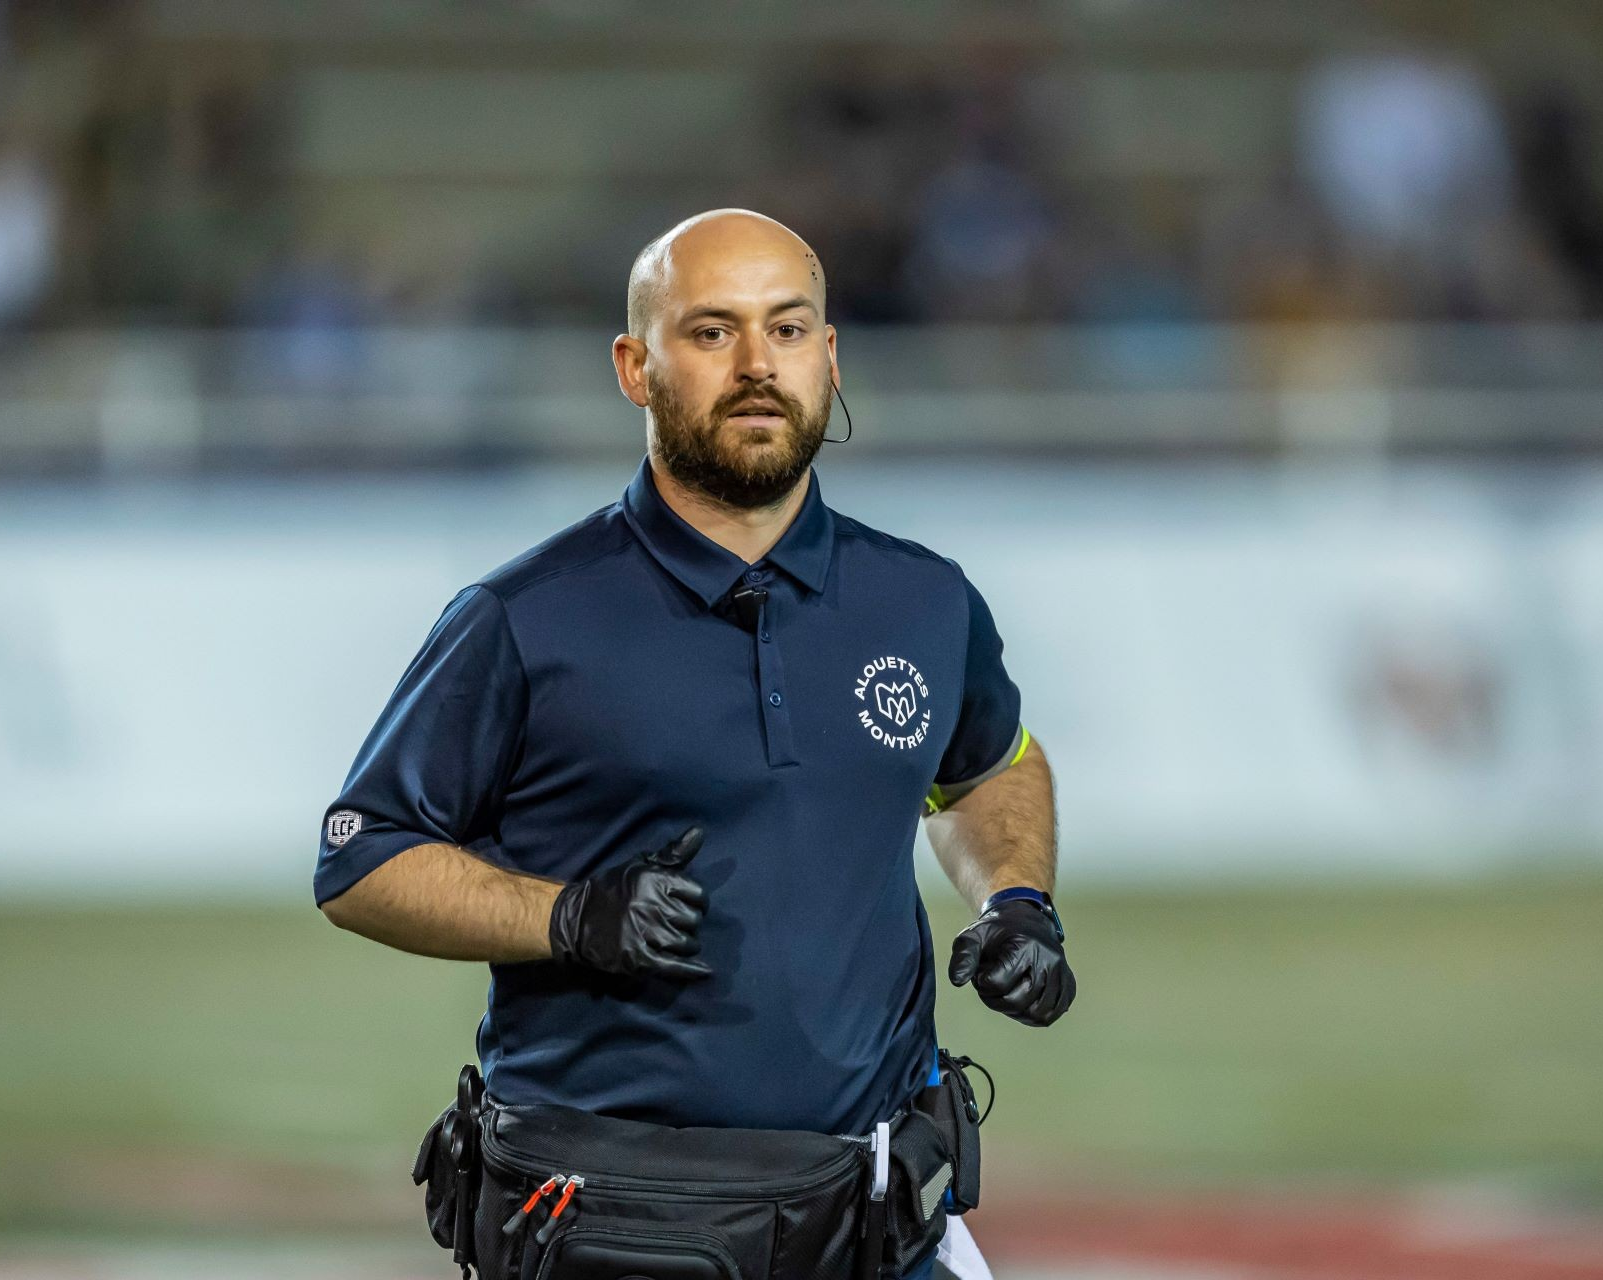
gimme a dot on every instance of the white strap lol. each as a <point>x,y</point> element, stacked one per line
<point>882,1160</point>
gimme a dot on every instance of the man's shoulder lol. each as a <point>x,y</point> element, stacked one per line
<point>877,541</point>
<point>601,534</point>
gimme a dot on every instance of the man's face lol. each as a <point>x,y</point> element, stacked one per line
<point>739,370</point>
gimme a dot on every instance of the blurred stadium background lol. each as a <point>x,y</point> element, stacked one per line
<point>1249,356</point>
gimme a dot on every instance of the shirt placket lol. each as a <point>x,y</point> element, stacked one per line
<point>773,698</point>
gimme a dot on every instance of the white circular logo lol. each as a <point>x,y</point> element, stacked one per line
<point>342,826</point>
<point>895,700</point>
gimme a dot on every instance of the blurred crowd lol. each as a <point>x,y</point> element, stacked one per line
<point>1409,188</point>
<point>1408,192</point>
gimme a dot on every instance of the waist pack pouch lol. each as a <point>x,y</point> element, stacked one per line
<point>448,1162</point>
<point>433,1167</point>
<point>569,1195</point>
<point>920,1172</point>
<point>951,1106</point>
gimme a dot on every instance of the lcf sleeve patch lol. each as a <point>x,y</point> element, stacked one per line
<point>434,766</point>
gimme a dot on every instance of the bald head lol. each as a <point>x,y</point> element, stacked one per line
<point>695,254</point>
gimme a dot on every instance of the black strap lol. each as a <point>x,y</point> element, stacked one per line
<point>461,1134</point>
<point>871,1249</point>
<point>968,1091</point>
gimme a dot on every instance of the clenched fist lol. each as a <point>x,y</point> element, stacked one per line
<point>1015,959</point>
<point>640,917</point>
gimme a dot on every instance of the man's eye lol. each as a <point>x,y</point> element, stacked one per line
<point>794,329</point>
<point>715,330</point>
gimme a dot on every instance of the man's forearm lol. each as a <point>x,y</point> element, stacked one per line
<point>439,900</point>
<point>1002,833</point>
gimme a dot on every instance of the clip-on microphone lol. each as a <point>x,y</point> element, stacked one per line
<point>748,603</point>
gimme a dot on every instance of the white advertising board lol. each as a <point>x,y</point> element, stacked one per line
<point>1237,672</point>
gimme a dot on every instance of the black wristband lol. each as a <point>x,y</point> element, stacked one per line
<point>1038,898</point>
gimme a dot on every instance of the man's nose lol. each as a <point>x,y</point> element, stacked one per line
<point>753,360</point>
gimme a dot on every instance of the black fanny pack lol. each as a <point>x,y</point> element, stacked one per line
<point>546,1192</point>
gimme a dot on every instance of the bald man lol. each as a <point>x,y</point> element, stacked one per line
<point>664,771</point>
<point>732,425</point>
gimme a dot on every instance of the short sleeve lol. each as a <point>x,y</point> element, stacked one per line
<point>434,767</point>
<point>988,731</point>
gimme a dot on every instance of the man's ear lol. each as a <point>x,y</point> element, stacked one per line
<point>834,369</point>
<point>629,359</point>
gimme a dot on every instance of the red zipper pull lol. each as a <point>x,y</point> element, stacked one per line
<point>544,1233</point>
<point>520,1216</point>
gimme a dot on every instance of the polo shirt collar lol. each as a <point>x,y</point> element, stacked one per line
<point>709,570</point>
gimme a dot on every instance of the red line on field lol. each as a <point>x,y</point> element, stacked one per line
<point>1352,1240</point>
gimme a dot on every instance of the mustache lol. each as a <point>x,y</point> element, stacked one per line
<point>771,401</point>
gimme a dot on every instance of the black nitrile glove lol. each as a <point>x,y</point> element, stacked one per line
<point>640,917</point>
<point>1013,955</point>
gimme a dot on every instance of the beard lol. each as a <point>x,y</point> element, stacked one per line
<point>745,467</point>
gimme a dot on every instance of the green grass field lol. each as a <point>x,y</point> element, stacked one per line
<point>159,1061</point>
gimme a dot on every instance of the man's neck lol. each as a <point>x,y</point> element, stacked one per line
<point>749,533</point>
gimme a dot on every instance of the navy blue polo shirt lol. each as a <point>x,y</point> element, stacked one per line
<point>599,694</point>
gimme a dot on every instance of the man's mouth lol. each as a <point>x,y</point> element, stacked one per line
<point>758,415</point>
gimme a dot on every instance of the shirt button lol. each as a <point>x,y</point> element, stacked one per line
<point>765,636</point>
<point>775,699</point>
<point>755,575</point>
